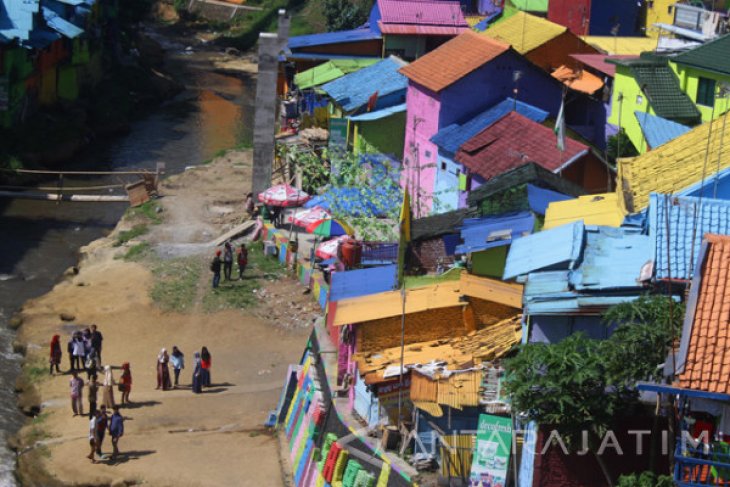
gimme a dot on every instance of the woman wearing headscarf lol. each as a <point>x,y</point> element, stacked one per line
<point>107,387</point>
<point>197,374</point>
<point>55,353</point>
<point>178,363</point>
<point>163,372</point>
<point>205,364</point>
<point>125,382</point>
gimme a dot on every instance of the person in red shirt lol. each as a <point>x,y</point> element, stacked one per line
<point>205,364</point>
<point>125,382</point>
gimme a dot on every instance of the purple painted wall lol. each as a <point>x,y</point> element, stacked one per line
<point>428,112</point>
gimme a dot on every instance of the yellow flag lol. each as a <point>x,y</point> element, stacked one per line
<point>405,217</point>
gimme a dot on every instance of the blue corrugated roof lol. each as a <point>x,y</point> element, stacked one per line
<point>539,198</point>
<point>354,35</point>
<point>688,219</point>
<point>16,18</point>
<point>485,233</point>
<point>353,90</point>
<point>453,136</point>
<point>658,130</point>
<point>707,187</point>
<point>377,115</point>
<point>612,259</point>
<point>362,282</point>
<point>557,248</point>
<point>60,25</point>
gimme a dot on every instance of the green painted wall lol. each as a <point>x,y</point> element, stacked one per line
<point>633,100</point>
<point>68,83</point>
<point>406,47</point>
<point>489,263</point>
<point>385,136</point>
<point>688,82</point>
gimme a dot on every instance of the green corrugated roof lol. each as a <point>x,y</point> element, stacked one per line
<point>713,56</point>
<point>531,5</point>
<point>661,87</point>
<point>330,71</point>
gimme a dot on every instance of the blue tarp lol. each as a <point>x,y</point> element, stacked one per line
<point>557,248</point>
<point>485,233</point>
<point>351,284</point>
<point>658,130</point>
<point>353,90</point>
<point>453,136</point>
<point>539,198</point>
<point>324,38</point>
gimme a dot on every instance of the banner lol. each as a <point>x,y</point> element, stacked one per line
<point>491,452</point>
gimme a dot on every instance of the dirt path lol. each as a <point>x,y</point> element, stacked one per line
<point>173,438</point>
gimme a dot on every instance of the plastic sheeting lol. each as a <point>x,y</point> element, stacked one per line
<point>362,282</point>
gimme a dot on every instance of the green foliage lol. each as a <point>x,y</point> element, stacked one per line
<point>146,211</point>
<point>345,14</point>
<point>127,235</point>
<point>645,479</point>
<point>510,200</point>
<point>176,283</point>
<point>137,252</point>
<point>620,145</point>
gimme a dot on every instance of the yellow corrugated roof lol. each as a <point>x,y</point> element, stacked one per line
<point>525,32</point>
<point>622,45</point>
<point>676,165</point>
<point>473,20</point>
<point>596,209</point>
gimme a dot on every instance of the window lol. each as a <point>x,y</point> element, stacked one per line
<point>428,154</point>
<point>443,165</point>
<point>706,92</point>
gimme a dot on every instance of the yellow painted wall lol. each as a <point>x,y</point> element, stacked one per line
<point>625,84</point>
<point>688,81</point>
<point>660,12</point>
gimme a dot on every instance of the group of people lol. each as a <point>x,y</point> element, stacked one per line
<point>224,260</point>
<point>84,351</point>
<point>99,424</point>
<point>77,384</point>
<point>201,371</point>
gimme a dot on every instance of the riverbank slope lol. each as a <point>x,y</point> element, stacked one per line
<point>146,286</point>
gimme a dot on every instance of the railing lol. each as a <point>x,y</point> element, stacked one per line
<point>379,253</point>
<point>704,465</point>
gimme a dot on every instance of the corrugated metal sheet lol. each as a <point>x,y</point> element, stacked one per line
<point>378,114</point>
<point>557,248</point>
<point>355,35</point>
<point>485,233</point>
<point>330,71</point>
<point>598,209</point>
<point>491,290</point>
<point>539,198</point>
<point>16,18</point>
<point>423,389</point>
<point>525,32</point>
<point>460,390</point>
<point>354,90</point>
<point>361,282</point>
<point>622,45</point>
<point>658,130</point>
<point>677,225</point>
<point>422,12</point>
<point>433,30</point>
<point>456,455</point>
<point>452,137</point>
<point>60,25</point>
<point>431,408</point>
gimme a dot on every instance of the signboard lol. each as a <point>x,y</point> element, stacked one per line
<point>492,449</point>
<point>338,133</point>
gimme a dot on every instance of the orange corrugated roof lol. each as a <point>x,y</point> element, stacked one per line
<point>579,80</point>
<point>707,364</point>
<point>453,60</point>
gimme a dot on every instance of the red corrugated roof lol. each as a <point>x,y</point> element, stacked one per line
<point>422,12</point>
<point>453,60</point>
<point>707,365</point>
<point>431,30</point>
<point>513,141</point>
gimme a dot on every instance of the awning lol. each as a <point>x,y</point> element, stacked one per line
<point>377,115</point>
<point>667,389</point>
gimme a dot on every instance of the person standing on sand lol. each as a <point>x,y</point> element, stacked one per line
<point>96,339</point>
<point>92,363</point>
<point>227,260</point>
<point>125,383</point>
<point>205,363</point>
<point>92,438</point>
<point>116,430</point>
<point>178,363</point>
<point>197,375</point>
<point>163,372</point>
<point>76,385</point>
<point>107,387</point>
<point>70,350</point>
<point>93,394</point>
<point>242,255</point>
<point>100,426</point>
<point>79,350</point>
<point>215,268</point>
<point>55,353</point>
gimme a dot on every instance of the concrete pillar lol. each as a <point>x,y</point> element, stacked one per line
<point>283,28</point>
<point>265,112</point>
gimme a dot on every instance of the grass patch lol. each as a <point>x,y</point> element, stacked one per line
<point>147,211</point>
<point>127,235</point>
<point>35,370</point>
<point>240,294</point>
<point>137,252</point>
<point>176,283</point>
<point>420,281</point>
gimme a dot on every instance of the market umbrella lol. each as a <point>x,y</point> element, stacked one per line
<point>306,217</point>
<point>328,249</point>
<point>330,227</point>
<point>283,195</point>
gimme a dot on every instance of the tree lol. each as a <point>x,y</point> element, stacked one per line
<point>345,14</point>
<point>620,145</point>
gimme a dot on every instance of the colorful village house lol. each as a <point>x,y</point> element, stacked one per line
<point>382,131</point>
<point>698,379</point>
<point>453,84</point>
<point>658,12</point>
<point>648,85</point>
<point>310,50</point>
<point>598,17</point>
<point>534,7</point>
<point>695,21</point>
<point>689,164</point>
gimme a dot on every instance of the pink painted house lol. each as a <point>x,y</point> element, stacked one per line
<point>452,84</point>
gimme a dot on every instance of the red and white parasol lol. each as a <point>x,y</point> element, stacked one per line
<point>328,249</point>
<point>283,195</point>
<point>304,218</point>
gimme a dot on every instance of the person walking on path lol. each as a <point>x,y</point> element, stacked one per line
<point>93,394</point>
<point>205,363</point>
<point>107,387</point>
<point>197,375</point>
<point>96,341</point>
<point>163,371</point>
<point>125,383</point>
<point>76,385</point>
<point>178,363</point>
<point>215,268</point>
<point>79,350</point>
<point>102,422</point>
<point>116,430</point>
<point>56,353</point>
<point>227,260</point>
<point>242,256</point>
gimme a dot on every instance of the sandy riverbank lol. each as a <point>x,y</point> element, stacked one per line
<point>174,437</point>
